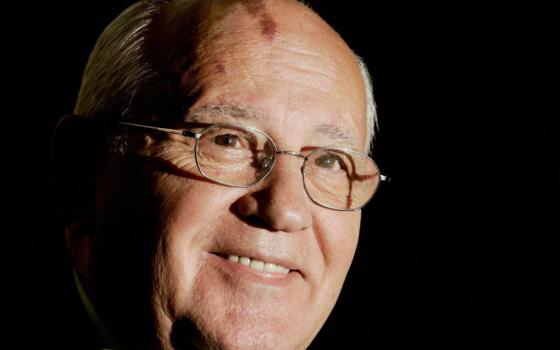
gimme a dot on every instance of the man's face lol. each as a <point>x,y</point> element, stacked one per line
<point>301,86</point>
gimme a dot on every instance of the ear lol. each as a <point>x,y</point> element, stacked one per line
<point>74,156</point>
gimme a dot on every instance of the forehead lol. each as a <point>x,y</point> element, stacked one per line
<point>282,33</point>
<point>280,52</point>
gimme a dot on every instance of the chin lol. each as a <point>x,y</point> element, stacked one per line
<point>254,336</point>
<point>239,330</point>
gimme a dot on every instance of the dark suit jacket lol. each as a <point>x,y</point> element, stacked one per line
<point>55,317</point>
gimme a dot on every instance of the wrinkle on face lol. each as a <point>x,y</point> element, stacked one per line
<point>310,73</point>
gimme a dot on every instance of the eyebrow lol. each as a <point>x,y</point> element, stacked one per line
<point>198,114</point>
<point>338,135</point>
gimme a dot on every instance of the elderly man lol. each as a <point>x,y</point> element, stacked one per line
<point>212,175</point>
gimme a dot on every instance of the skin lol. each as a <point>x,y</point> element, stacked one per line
<point>153,263</point>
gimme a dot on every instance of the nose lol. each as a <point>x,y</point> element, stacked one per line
<point>281,201</point>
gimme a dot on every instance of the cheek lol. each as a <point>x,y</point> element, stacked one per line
<point>338,238</point>
<point>189,212</point>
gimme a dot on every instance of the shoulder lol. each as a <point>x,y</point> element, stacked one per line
<point>58,319</point>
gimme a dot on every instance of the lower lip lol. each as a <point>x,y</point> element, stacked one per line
<point>247,273</point>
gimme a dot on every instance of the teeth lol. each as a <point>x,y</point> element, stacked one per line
<point>258,265</point>
<point>269,267</point>
<point>245,261</point>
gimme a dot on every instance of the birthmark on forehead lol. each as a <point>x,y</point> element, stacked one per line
<point>268,27</point>
<point>257,9</point>
<point>220,68</point>
<point>217,66</point>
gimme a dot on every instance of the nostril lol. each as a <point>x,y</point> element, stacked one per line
<point>246,206</point>
<point>250,218</point>
<point>258,222</point>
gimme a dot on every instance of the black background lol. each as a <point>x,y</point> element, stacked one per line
<point>459,251</point>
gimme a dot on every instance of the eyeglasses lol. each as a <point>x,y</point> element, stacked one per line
<point>241,156</point>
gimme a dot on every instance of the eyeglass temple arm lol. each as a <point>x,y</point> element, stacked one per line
<point>171,131</point>
<point>385,178</point>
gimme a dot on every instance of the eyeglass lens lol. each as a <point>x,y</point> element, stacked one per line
<point>239,156</point>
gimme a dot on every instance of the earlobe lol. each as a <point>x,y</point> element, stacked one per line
<point>74,157</point>
<point>78,235</point>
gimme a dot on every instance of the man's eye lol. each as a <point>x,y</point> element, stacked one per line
<point>329,161</point>
<point>227,140</point>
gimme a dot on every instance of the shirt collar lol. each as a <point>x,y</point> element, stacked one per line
<point>100,327</point>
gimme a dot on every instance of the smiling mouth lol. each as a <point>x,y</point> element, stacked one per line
<point>256,264</point>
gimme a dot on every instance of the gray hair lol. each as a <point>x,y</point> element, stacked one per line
<point>371,107</point>
<point>117,71</point>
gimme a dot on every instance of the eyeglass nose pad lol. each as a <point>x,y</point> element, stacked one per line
<point>269,151</point>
